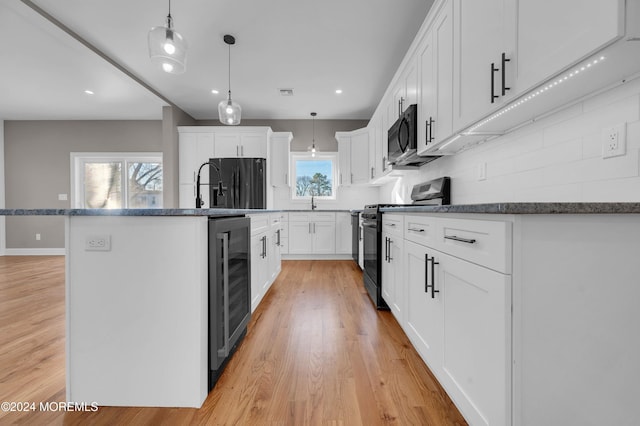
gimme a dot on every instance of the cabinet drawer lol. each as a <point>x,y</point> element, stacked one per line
<point>392,224</point>
<point>420,229</point>
<point>312,217</point>
<point>483,242</point>
<point>259,223</point>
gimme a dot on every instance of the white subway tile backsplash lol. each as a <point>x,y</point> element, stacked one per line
<point>558,158</point>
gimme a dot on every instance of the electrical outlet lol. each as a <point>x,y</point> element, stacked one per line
<point>38,237</point>
<point>614,140</point>
<point>97,243</point>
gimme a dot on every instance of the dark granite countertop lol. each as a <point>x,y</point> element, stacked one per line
<point>146,212</point>
<point>523,208</point>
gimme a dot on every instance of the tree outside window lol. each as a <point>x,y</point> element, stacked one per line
<point>314,176</point>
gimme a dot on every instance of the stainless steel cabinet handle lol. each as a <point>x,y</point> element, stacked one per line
<point>462,240</point>
<point>237,151</point>
<point>389,256</point>
<point>278,240</point>
<point>351,177</point>
<point>372,172</point>
<point>340,178</point>
<point>393,225</point>
<point>493,82</point>
<point>504,73</point>
<point>416,230</point>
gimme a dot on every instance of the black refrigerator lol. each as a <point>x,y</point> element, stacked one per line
<point>244,184</point>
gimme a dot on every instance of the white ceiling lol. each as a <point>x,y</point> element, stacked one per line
<point>313,47</point>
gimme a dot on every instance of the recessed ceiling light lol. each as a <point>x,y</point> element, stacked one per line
<point>88,92</point>
<point>214,91</point>
<point>338,91</point>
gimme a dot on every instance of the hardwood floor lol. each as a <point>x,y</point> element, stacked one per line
<point>316,352</point>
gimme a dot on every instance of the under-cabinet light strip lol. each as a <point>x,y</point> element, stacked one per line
<point>527,98</point>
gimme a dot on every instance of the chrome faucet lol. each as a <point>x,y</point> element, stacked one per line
<point>313,205</point>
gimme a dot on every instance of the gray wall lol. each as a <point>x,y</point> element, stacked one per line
<point>37,168</point>
<point>37,160</point>
<point>302,130</point>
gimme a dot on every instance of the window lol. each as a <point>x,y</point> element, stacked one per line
<point>313,175</point>
<point>116,180</point>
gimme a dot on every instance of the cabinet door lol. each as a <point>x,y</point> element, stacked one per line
<point>480,27</point>
<point>324,237</point>
<point>410,85</point>
<point>300,238</point>
<point>388,272</point>
<point>476,326</point>
<point>253,145</point>
<point>343,233</point>
<point>187,158</point>
<point>187,196</point>
<point>396,259</point>
<point>259,268</point>
<point>344,160</point>
<point>278,163</point>
<point>549,42</point>
<point>227,145</point>
<point>360,171</point>
<point>423,312</point>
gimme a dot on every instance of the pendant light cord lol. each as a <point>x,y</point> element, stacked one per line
<point>169,18</point>
<point>229,71</point>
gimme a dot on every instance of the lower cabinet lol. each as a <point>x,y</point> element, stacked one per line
<point>266,256</point>
<point>393,288</point>
<point>458,316</point>
<point>312,233</point>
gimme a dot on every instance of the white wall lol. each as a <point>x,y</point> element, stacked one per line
<point>558,158</point>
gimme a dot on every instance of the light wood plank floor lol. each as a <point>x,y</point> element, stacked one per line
<point>316,352</point>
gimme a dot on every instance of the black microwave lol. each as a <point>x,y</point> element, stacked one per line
<point>403,140</point>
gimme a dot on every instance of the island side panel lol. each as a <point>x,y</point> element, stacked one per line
<point>576,316</point>
<point>137,314</point>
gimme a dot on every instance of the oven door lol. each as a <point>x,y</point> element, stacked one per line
<point>371,249</point>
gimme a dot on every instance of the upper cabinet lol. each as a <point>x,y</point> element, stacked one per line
<point>353,157</point>
<point>279,165</point>
<point>483,55</point>
<point>480,70</point>
<point>244,143</point>
<point>548,42</point>
<point>435,89</point>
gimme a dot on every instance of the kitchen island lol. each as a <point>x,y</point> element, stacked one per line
<point>136,305</point>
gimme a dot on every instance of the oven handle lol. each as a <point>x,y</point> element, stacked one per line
<point>370,225</point>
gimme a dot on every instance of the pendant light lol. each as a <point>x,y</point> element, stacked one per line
<point>229,111</point>
<point>167,48</point>
<point>313,140</point>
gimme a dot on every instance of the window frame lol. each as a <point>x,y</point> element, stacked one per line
<point>332,156</point>
<point>78,159</point>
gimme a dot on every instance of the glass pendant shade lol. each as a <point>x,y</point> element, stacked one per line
<point>229,112</point>
<point>168,49</point>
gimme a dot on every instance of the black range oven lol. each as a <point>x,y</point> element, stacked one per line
<point>435,192</point>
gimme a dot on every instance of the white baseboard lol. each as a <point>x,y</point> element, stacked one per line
<point>34,252</point>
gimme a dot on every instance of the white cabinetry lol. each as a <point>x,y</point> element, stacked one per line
<point>312,233</point>
<point>459,310</point>
<point>233,143</point>
<point>353,157</point>
<point>279,159</point>
<point>193,150</point>
<point>260,276</point>
<point>549,42</point>
<point>266,254</point>
<point>393,287</point>
<point>435,92</point>
<point>274,249</point>
<point>343,233</point>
